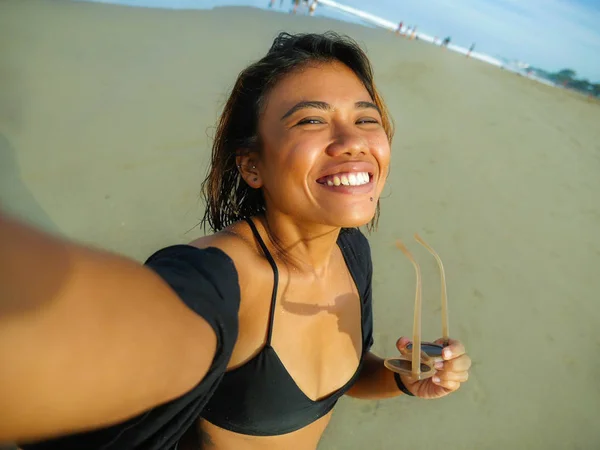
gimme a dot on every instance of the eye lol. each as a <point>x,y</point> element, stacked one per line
<point>367,120</point>
<point>311,121</point>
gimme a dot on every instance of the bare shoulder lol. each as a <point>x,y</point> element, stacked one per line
<point>237,242</point>
<point>255,277</point>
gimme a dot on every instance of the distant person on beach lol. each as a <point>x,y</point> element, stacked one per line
<point>247,337</point>
<point>313,7</point>
<point>413,33</point>
<point>399,29</point>
<point>471,48</point>
<point>446,41</point>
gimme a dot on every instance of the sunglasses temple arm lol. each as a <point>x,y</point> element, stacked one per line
<point>416,345</point>
<point>445,331</point>
<point>445,322</point>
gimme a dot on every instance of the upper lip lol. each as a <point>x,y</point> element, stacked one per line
<point>350,166</point>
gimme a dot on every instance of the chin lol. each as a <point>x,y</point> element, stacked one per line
<point>351,219</point>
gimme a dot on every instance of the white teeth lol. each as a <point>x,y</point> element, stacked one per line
<point>348,179</point>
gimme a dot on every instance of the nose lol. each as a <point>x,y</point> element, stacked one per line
<point>349,141</point>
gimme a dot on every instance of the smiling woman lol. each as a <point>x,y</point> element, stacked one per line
<point>266,104</point>
<point>249,335</point>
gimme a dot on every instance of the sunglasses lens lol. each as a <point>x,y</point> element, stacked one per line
<point>406,366</point>
<point>431,349</point>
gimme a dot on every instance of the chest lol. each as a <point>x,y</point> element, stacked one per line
<point>314,326</point>
<point>317,334</point>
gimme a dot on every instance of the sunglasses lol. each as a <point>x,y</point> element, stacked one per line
<point>418,359</point>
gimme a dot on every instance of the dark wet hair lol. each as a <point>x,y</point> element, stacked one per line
<point>228,198</point>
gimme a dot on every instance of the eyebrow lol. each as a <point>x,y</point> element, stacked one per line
<point>326,107</point>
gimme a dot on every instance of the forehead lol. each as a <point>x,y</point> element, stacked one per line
<point>333,83</point>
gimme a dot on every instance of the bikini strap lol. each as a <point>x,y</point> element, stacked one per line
<point>265,250</point>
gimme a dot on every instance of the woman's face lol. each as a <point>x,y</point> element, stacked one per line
<point>325,155</point>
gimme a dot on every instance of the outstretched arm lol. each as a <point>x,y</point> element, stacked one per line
<point>87,338</point>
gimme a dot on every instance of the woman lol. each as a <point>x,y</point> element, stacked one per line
<point>249,335</point>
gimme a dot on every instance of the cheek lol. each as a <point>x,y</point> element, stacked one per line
<point>295,160</point>
<point>381,150</point>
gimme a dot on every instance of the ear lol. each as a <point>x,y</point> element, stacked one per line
<point>247,165</point>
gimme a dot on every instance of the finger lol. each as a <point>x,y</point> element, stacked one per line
<point>450,385</point>
<point>453,349</point>
<point>402,343</point>
<point>460,364</point>
<point>444,375</point>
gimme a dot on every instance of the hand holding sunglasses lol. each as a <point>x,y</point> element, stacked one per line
<point>429,369</point>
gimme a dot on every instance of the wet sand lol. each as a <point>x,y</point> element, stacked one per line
<point>105,118</point>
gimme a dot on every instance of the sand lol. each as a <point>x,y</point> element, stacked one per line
<point>105,118</point>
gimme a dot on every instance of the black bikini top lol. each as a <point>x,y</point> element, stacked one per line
<point>260,398</point>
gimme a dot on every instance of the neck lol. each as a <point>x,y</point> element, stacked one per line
<point>308,247</point>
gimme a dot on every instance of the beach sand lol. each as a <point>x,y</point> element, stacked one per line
<point>106,115</point>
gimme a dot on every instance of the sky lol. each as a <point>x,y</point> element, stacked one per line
<point>549,34</point>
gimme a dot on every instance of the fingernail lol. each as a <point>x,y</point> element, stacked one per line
<point>439,365</point>
<point>436,379</point>
<point>447,353</point>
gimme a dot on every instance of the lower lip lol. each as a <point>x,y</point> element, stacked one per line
<point>352,190</point>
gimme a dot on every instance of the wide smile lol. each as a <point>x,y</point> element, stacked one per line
<point>348,182</point>
<point>346,179</point>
